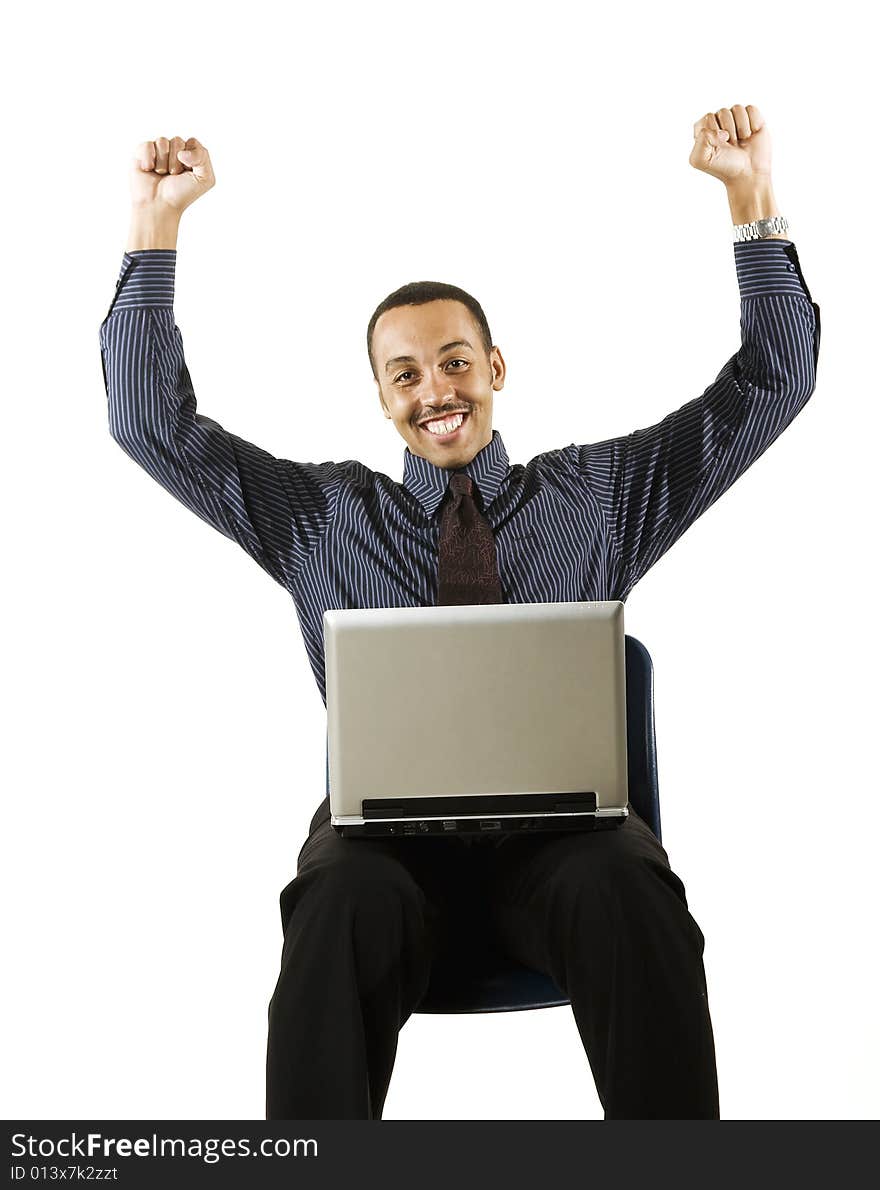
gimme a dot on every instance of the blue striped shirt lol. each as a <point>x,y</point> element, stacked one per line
<point>583,522</point>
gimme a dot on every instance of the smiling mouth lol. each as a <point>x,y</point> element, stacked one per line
<point>443,429</point>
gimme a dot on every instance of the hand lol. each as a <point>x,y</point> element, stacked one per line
<point>732,144</point>
<point>168,176</point>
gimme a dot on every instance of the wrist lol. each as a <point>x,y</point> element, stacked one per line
<point>149,228</point>
<point>751,198</point>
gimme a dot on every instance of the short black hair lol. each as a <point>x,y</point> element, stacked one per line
<point>416,293</point>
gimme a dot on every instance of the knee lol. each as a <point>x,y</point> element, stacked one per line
<point>368,892</point>
<point>365,916</point>
<point>622,885</point>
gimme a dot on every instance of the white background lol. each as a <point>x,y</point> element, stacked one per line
<point>164,734</point>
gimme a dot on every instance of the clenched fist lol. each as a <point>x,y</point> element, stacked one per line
<point>168,176</point>
<point>732,144</point>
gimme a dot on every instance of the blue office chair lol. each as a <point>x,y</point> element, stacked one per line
<point>487,980</point>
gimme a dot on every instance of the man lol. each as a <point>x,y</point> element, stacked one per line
<point>601,912</point>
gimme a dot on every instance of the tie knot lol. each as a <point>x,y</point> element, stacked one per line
<point>461,483</point>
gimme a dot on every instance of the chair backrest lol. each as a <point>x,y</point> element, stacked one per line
<point>641,742</point>
<point>492,982</point>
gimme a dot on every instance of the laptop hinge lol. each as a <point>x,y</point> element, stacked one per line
<point>480,804</point>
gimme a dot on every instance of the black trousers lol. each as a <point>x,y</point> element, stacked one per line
<point>601,912</point>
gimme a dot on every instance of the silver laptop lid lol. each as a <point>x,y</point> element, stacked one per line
<point>476,699</point>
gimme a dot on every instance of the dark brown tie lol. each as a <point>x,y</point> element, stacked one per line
<point>467,567</point>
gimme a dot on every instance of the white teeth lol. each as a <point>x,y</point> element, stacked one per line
<point>444,427</point>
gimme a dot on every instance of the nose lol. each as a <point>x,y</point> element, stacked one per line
<point>437,392</point>
<point>438,385</point>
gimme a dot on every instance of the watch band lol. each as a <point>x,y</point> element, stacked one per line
<point>759,229</point>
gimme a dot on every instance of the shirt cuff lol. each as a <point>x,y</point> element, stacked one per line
<point>768,267</point>
<point>146,278</point>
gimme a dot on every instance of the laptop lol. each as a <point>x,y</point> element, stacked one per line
<point>476,718</point>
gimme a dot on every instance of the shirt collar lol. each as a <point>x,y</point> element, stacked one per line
<point>428,482</point>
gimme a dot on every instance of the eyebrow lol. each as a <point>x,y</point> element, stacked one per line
<point>409,359</point>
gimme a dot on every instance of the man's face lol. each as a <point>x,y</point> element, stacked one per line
<point>432,364</point>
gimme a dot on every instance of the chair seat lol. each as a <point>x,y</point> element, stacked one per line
<point>491,982</point>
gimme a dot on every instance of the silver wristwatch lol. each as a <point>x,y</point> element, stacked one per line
<point>759,229</point>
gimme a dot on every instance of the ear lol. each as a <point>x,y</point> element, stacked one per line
<point>500,369</point>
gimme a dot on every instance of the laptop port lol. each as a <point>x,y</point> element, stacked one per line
<point>490,824</point>
<point>449,825</point>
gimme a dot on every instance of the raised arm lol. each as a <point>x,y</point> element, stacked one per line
<point>653,483</point>
<point>276,510</point>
